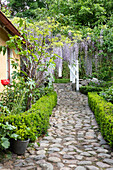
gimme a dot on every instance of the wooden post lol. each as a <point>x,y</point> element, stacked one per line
<point>59,72</point>
<point>71,64</point>
<point>60,64</point>
<point>77,75</point>
<point>73,75</point>
<point>74,72</point>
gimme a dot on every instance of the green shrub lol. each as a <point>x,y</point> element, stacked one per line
<point>103,111</point>
<point>107,94</point>
<point>86,89</point>
<point>6,132</point>
<point>14,97</point>
<point>62,80</point>
<point>35,121</point>
<point>65,70</point>
<point>103,84</point>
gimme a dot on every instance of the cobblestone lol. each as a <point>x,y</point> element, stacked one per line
<point>73,142</point>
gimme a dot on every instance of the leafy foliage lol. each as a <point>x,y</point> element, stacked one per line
<point>103,84</point>
<point>14,97</point>
<point>93,20</point>
<point>35,121</point>
<point>86,89</point>
<point>107,94</point>
<point>68,12</point>
<point>6,132</point>
<point>100,87</point>
<point>62,80</point>
<point>20,6</point>
<point>103,111</point>
<point>34,47</point>
<point>65,71</point>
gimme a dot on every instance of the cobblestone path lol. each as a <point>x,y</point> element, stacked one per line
<point>73,142</point>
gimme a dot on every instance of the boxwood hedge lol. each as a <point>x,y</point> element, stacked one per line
<point>103,111</point>
<point>35,121</point>
<point>86,89</point>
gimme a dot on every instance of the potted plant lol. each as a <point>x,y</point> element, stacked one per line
<point>11,137</point>
<point>6,132</point>
<point>19,144</point>
<point>14,137</point>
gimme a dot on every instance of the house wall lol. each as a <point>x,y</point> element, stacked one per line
<point>3,58</point>
<point>3,39</point>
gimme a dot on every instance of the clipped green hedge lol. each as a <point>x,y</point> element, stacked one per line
<point>86,89</point>
<point>62,80</point>
<point>103,111</point>
<point>35,121</point>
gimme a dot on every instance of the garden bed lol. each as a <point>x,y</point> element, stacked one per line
<point>103,111</point>
<point>34,122</point>
<point>86,89</point>
<point>96,87</point>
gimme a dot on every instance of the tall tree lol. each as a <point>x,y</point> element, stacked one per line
<point>21,6</point>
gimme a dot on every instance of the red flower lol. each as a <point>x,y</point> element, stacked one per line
<point>5,82</point>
